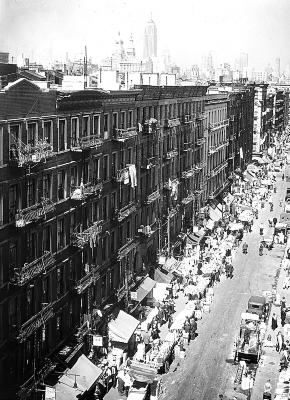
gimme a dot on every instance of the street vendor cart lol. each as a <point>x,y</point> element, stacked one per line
<point>248,344</point>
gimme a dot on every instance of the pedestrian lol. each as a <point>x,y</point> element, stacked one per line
<point>275,221</point>
<point>279,342</point>
<point>261,229</point>
<point>267,390</point>
<point>127,382</point>
<point>283,316</point>
<point>274,323</point>
<point>170,321</point>
<point>283,302</point>
<point>283,176</point>
<point>270,223</point>
<point>261,249</point>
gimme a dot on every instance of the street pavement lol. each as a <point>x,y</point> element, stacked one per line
<point>208,369</point>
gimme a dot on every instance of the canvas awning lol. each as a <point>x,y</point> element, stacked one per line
<point>84,374</point>
<point>195,237</point>
<point>142,372</point>
<point>236,226</point>
<point>215,214</point>
<point>145,288</point>
<point>171,264</point>
<point>162,277</point>
<point>122,328</point>
<point>209,224</point>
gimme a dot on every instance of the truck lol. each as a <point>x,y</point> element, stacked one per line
<point>258,305</point>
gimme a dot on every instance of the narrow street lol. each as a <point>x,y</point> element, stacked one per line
<point>208,368</point>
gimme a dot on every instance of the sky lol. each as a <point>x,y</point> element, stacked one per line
<point>45,30</point>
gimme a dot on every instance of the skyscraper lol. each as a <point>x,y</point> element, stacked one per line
<point>150,40</point>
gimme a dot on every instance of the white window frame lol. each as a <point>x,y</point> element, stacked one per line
<point>51,130</point>
<point>106,133</point>
<point>77,128</point>
<point>89,120</point>
<point>65,133</point>
<point>36,130</point>
<point>98,127</point>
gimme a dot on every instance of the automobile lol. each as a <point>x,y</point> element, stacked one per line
<point>258,305</point>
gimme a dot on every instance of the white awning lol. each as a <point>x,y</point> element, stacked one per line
<point>122,328</point>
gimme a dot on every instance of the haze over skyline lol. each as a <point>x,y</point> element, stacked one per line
<point>45,30</point>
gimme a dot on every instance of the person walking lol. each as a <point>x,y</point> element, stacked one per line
<point>267,390</point>
<point>261,249</point>
<point>261,229</point>
<point>274,322</point>
<point>283,302</point>
<point>283,316</point>
<point>279,342</point>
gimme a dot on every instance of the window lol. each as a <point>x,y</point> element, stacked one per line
<point>13,202</point>
<point>32,134</point>
<point>97,168</point>
<point>103,287</point>
<point>97,125</point>
<point>86,172</point>
<point>45,290</point>
<point>130,155</point>
<point>113,201</point>
<point>86,126</point>
<point>105,207</point>
<point>31,192</point>
<point>1,210</point>
<point>130,119</point>
<point>62,134</point>
<point>123,120</point>
<point>113,242</point>
<point>1,268</point>
<point>115,121</point>
<point>47,238</point>
<point>60,234</point>
<point>61,184</point>
<point>106,126</point>
<point>114,164</point>
<point>74,132</point>
<point>14,138</point>
<point>74,177</point>
<point>106,167</point>
<point>59,282</point>
<point>104,248</point>
<point>31,244</point>
<point>47,131</point>
<point>12,258</point>
<point>47,186</point>
<point>1,146</point>
<point>72,222</point>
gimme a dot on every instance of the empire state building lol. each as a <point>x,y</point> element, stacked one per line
<point>150,40</point>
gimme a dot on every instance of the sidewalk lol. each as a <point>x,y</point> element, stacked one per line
<point>270,361</point>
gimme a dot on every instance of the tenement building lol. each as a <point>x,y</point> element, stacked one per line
<point>94,185</point>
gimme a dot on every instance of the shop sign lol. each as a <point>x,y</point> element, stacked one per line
<point>97,341</point>
<point>50,393</point>
<point>161,260</point>
<point>133,295</point>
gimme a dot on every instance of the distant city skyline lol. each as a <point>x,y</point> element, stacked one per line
<point>49,29</point>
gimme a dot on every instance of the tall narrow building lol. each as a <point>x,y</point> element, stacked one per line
<point>150,40</point>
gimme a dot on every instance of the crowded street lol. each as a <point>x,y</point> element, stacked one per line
<point>208,365</point>
<point>208,369</point>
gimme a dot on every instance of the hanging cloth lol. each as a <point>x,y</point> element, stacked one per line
<point>133,175</point>
<point>126,177</point>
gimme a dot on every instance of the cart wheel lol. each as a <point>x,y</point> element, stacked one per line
<point>166,366</point>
